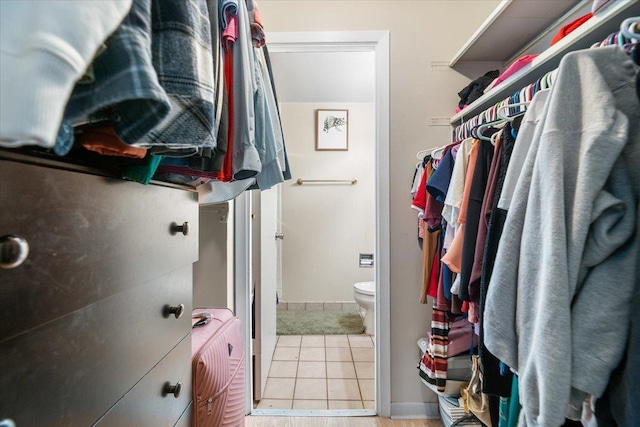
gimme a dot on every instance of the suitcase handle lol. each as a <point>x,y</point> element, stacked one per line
<point>205,317</point>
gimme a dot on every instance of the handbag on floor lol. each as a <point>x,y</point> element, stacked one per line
<point>476,401</point>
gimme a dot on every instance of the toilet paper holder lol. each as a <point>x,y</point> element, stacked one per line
<point>366,260</point>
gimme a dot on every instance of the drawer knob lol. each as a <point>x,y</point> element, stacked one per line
<point>184,228</point>
<point>176,390</point>
<point>13,251</point>
<point>176,310</point>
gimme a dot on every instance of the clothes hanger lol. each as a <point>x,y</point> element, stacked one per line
<point>470,127</point>
<point>530,92</point>
<point>517,98</point>
<point>509,117</point>
<point>436,153</point>
<point>475,122</point>
<point>420,154</point>
<point>629,28</point>
<point>488,125</point>
<point>544,82</point>
<point>495,136</point>
<point>473,131</point>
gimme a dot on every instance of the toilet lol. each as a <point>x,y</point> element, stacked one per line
<point>364,293</point>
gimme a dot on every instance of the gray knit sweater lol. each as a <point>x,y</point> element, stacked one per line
<point>558,302</point>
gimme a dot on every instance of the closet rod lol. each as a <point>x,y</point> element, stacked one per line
<point>353,181</point>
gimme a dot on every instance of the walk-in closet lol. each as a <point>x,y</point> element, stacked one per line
<point>227,213</point>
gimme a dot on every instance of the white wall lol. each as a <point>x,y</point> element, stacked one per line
<point>327,226</point>
<point>424,35</point>
<point>210,273</point>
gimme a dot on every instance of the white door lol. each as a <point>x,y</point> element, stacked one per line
<point>265,286</point>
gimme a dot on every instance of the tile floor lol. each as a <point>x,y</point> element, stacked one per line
<point>321,372</point>
<point>263,421</point>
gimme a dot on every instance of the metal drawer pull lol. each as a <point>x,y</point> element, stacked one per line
<point>176,310</point>
<point>184,228</point>
<point>14,250</point>
<point>176,390</point>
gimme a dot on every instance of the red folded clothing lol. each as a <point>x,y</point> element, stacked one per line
<point>564,31</point>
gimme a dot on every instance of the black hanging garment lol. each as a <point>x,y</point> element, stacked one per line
<point>635,55</point>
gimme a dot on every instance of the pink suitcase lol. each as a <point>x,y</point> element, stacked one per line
<point>217,358</point>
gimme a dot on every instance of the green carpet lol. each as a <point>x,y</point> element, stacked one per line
<point>306,322</point>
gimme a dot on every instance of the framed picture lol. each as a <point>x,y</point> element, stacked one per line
<point>332,130</point>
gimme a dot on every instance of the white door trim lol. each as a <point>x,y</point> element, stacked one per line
<point>337,41</point>
<point>243,295</point>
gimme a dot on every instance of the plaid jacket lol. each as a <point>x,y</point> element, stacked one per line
<point>182,57</point>
<point>124,86</point>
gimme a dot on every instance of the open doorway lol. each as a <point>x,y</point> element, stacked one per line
<point>323,357</point>
<point>374,44</point>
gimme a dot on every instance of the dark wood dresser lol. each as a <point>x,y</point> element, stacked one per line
<point>95,319</point>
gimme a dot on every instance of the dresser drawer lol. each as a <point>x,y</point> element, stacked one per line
<point>148,404</point>
<point>89,238</point>
<point>70,371</point>
<point>186,418</point>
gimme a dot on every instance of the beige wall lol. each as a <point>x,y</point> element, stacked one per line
<point>210,284</point>
<point>421,32</point>
<point>327,226</point>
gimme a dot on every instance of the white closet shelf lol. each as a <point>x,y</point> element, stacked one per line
<point>513,24</point>
<point>594,30</point>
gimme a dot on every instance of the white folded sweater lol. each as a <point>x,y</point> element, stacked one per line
<point>45,47</point>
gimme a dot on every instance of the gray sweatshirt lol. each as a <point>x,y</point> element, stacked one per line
<point>558,303</point>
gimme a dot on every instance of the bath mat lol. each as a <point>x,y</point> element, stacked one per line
<point>321,322</point>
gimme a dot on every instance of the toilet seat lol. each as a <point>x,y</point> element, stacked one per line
<point>366,288</point>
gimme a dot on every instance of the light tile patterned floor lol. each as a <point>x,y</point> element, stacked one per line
<point>321,372</point>
<point>262,421</point>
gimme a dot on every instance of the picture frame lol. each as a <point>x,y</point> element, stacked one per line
<point>332,130</point>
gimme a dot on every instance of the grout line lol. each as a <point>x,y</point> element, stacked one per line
<point>297,370</point>
<point>357,379</point>
<point>326,369</point>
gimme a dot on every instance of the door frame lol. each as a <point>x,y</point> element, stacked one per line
<point>334,41</point>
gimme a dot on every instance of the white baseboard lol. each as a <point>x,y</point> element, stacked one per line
<point>414,410</point>
<point>318,305</point>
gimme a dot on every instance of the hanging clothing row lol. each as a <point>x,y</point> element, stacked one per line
<point>531,235</point>
<point>184,86</point>
<point>514,103</point>
<point>623,38</point>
